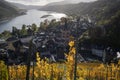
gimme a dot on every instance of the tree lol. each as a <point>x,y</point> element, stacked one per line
<point>23,30</point>
<point>29,30</point>
<point>113,31</point>
<point>14,31</point>
<point>34,27</point>
<point>44,25</point>
<point>6,34</point>
<point>52,23</point>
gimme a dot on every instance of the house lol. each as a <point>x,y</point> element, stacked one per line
<point>98,52</point>
<point>3,43</point>
<point>26,40</point>
<point>3,54</point>
<point>12,39</point>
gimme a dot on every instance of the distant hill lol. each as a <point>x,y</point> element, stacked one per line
<point>68,2</point>
<point>7,10</point>
<point>58,3</point>
<point>22,6</point>
<point>101,9</point>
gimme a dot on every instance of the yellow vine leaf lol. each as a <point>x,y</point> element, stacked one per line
<point>71,43</point>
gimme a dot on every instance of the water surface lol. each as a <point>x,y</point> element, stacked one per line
<point>32,16</point>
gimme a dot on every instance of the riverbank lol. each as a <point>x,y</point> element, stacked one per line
<point>6,19</point>
<point>32,16</point>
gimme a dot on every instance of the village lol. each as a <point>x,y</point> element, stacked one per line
<point>52,43</point>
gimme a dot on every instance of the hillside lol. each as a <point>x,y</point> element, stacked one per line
<point>105,13</point>
<point>7,10</point>
<point>104,8</point>
<point>57,3</point>
<point>64,2</point>
<point>27,7</point>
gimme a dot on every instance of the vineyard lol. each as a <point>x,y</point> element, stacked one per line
<point>43,70</point>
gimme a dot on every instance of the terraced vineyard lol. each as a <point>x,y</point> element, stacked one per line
<point>43,70</point>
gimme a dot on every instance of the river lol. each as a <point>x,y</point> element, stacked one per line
<point>31,16</point>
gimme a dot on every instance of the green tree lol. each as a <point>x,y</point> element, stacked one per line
<point>6,34</point>
<point>44,25</point>
<point>23,30</point>
<point>53,23</point>
<point>34,27</point>
<point>15,31</point>
<point>113,31</point>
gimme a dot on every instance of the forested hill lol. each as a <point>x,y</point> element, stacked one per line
<point>106,13</point>
<point>7,10</point>
<point>100,9</point>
